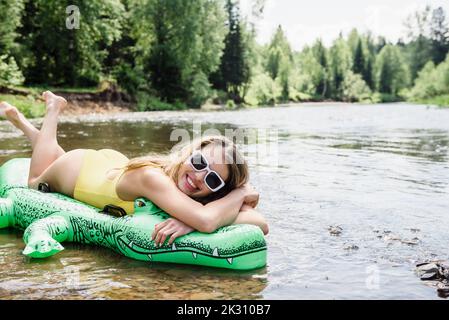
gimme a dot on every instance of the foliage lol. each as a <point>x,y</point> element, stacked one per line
<point>182,55</point>
<point>340,63</point>
<point>354,88</point>
<point>233,72</point>
<point>280,61</point>
<point>172,54</point>
<point>10,75</point>
<point>432,81</point>
<point>392,72</point>
<point>54,54</point>
<point>146,102</point>
<point>263,90</point>
<point>10,16</point>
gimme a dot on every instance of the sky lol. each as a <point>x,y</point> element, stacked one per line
<point>305,21</point>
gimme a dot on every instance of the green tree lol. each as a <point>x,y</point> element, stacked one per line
<point>312,75</point>
<point>181,44</point>
<point>439,34</point>
<point>379,44</point>
<point>55,54</point>
<point>9,72</point>
<point>280,60</point>
<point>263,90</point>
<point>431,81</point>
<point>353,40</point>
<point>368,73</point>
<point>278,46</point>
<point>234,70</point>
<point>418,53</point>
<point>392,71</point>
<point>359,59</point>
<point>10,17</point>
<point>354,88</point>
<point>340,64</point>
<point>419,27</point>
<point>320,54</point>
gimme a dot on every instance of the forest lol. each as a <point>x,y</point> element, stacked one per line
<point>176,54</point>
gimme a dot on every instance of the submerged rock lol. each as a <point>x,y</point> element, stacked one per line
<point>335,230</point>
<point>443,289</point>
<point>351,247</point>
<point>437,273</point>
<point>427,268</point>
<point>412,242</point>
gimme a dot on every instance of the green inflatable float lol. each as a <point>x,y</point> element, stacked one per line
<point>51,218</point>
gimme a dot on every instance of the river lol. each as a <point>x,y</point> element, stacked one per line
<point>378,174</point>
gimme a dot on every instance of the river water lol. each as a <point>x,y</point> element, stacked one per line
<point>377,174</point>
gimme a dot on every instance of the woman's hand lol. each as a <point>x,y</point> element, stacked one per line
<point>251,196</point>
<point>170,227</point>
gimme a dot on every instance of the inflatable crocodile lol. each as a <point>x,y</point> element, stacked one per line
<point>51,218</point>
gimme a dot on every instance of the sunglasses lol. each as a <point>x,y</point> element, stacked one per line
<point>212,179</point>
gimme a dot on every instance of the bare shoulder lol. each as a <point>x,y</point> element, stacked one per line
<point>133,183</point>
<point>153,177</point>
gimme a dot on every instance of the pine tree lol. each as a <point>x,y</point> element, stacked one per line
<point>234,67</point>
<point>320,54</point>
<point>368,74</point>
<point>439,29</point>
<point>359,59</point>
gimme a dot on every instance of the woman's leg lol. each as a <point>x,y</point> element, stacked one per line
<point>64,167</point>
<point>14,116</point>
<point>46,149</point>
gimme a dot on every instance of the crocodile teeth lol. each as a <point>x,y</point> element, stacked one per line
<point>173,247</point>
<point>150,256</point>
<point>130,244</point>
<point>194,255</point>
<point>230,260</point>
<point>215,253</point>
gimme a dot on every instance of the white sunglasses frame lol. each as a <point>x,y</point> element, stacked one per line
<point>208,169</point>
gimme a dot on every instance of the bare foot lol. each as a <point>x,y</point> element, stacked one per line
<point>54,103</point>
<point>19,121</point>
<point>10,113</point>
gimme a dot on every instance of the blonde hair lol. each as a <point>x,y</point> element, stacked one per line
<point>171,163</point>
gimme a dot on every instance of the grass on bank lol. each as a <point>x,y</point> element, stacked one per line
<point>37,91</point>
<point>441,101</point>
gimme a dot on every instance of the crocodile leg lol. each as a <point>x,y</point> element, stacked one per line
<point>6,213</point>
<point>43,236</point>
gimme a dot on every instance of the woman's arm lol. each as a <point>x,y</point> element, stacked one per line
<point>160,189</point>
<point>248,215</point>
<point>172,228</point>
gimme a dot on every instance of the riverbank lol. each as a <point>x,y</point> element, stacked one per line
<point>441,101</point>
<point>80,100</point>
<point>110,100</point>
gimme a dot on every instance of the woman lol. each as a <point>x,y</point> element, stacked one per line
<point>203,186</point>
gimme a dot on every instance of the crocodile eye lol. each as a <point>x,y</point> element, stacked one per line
<point>140,203</point>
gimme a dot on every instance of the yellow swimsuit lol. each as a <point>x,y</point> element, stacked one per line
<point>93,186</point>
